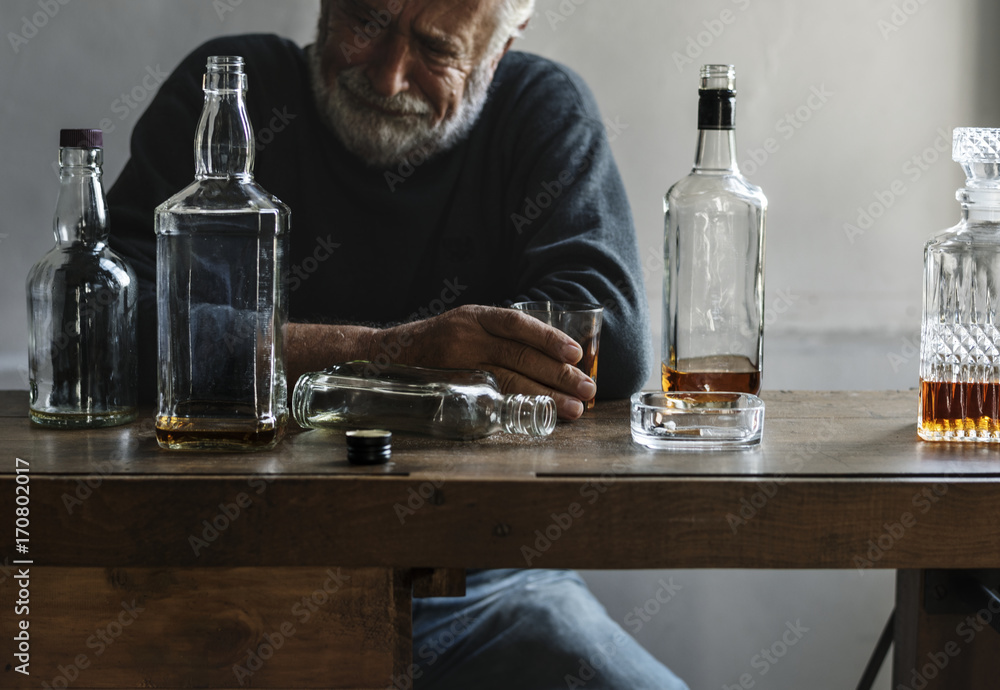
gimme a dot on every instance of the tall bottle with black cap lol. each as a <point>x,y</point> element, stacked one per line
<point>82,300</point>
<point>713,285</point>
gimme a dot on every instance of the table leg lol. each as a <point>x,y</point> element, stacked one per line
<point>438,582</point>
<point>295,627</point>
<point>941,650</point>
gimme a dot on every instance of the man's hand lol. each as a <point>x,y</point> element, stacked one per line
<point>525,355</point>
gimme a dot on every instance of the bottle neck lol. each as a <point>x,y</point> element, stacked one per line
<point>532,415</point>
<point>716,151</point>
<point>979,204</point>
<point>224,143</point>
<point>81,210</point>
<point>716,131</point>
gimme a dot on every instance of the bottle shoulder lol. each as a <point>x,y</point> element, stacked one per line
<point>80,264</point>
<point>115,262</point>
<point>702,187</point>
<point>965,236</point>
<point>223,196</point>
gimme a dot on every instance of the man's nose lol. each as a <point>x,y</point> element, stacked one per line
<point>389,72</point>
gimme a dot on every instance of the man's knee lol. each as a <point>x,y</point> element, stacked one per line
<point>559,607</point>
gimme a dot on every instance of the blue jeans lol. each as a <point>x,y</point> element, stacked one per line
<point>530,630</point>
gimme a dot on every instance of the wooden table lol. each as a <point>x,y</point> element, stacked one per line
<point>293,568</point>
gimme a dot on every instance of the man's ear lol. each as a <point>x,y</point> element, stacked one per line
<point>508,44</point>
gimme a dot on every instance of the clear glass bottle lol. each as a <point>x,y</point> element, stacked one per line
<point>82,300</point>
<point>221,260</point>
<point>460,404</point>
<point>713,284</point>
<point>960,334</point>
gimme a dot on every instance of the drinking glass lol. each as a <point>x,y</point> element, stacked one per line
<point>581,321</point>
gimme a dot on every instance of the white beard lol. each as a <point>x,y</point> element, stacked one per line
<point>384,140</point>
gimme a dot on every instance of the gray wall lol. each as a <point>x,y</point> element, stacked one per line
<point>839,105</point>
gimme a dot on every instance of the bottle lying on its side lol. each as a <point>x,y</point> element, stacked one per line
<point>460,404</point>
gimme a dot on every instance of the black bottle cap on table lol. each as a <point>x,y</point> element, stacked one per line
<point>81,138</point>
<point>369,446</point>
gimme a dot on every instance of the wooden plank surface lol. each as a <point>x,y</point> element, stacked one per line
<point>326,627</point>
<point>837,472</point>
<point>580,523</point>
<point>805,434</point>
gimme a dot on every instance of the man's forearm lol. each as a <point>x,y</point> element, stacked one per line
<point>314,347</point>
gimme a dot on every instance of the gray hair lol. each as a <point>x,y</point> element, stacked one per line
<point>511,15</point>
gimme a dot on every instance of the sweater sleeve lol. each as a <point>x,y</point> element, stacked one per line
<point>574,230</point>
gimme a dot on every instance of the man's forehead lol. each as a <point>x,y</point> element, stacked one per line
<point>470,21</point>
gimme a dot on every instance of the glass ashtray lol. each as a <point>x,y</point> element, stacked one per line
<point>696,420</point>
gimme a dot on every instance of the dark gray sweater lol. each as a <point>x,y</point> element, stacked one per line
<point>529,206</point>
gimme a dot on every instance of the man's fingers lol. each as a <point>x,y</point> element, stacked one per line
<point>526,355</point>
<point>511,324</point>
<point>567,406</point>
<point>529,363</point>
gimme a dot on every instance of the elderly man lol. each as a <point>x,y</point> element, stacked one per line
<point>434,176</point>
